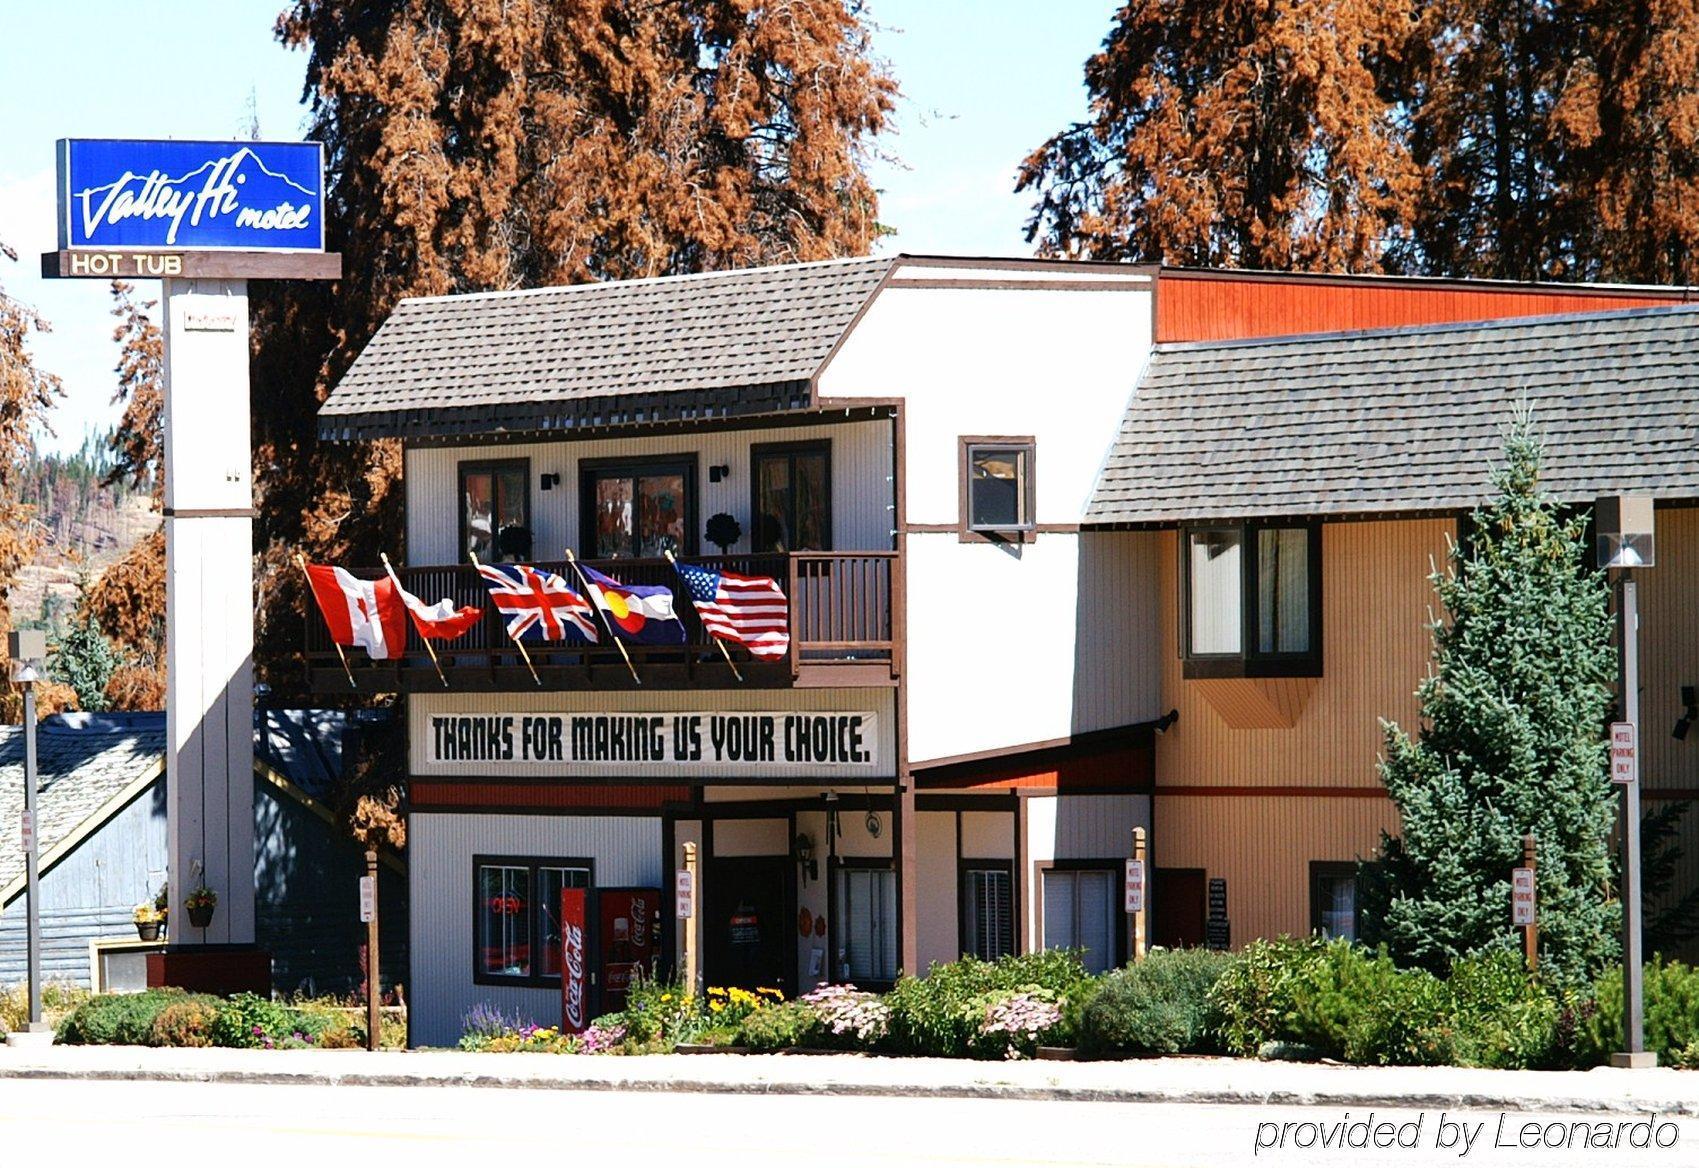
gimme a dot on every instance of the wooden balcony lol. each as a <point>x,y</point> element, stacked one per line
<point>840,626</point>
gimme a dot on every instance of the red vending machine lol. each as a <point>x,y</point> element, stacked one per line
<point>630,938</point>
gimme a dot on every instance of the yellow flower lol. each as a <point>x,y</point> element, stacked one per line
<point>666,997</point>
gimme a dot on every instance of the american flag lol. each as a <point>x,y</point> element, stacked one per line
<point>746,610</point>
<point>539,605</point>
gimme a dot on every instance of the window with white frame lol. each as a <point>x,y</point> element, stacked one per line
<point>1080,913</point>
<point>867,924</point>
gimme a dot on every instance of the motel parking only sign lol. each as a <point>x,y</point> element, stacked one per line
<point>126,194</point>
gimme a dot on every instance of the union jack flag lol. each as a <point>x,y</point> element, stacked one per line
<point>746,610</point>
<point>539,605</point>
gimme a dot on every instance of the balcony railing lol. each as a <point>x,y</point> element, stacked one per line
<point>840,627</point>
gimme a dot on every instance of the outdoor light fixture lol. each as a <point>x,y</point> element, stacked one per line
<point>548,480</point>
<point>1624,526</point>
<point>1167,720</point>
<point>802,851</point>
<point>1690,712</point>
<point>716,473</point>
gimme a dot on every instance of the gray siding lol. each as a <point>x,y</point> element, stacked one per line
<point>307,894</point>
<point>89,894</point>
<point>626,851</point>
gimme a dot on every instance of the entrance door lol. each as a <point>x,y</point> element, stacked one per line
<point>748,922</point>
<point>1178,907</point>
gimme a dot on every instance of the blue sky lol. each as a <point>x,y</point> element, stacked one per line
<point>984,82</point>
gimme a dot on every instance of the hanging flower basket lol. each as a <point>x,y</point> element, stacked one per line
<point>147,930</point>
<point>199,905</point>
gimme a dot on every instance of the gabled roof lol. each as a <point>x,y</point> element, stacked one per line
<point>83,761</point>
<point>1406,420</point>
<point>674,347</point>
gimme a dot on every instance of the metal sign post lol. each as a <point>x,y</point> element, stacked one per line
<point>27,649</point>
<point>369,914</point>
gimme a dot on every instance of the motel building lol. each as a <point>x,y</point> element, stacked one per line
<point>1069,549</point>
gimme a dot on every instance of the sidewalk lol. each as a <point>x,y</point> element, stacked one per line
<point>1172,1080</point>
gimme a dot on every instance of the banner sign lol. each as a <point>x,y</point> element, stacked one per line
<point>631,939</point>
<point>118,193</point>
<point>613,743</point>
<point>574,963</point>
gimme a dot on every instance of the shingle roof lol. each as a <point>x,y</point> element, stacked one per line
<point>1406,419</point>
<point>83,761</point>
<point>632,350</point>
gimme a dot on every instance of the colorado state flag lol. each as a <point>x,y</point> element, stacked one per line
<point>641,614</point>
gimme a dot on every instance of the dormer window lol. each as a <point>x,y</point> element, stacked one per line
<point>1252,600</point>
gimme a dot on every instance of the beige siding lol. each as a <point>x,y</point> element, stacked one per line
<point>752,837</point>
<point>862,501</point>
<point>1263,846</point>
<point>1376,601</point>
<point>935,873</point>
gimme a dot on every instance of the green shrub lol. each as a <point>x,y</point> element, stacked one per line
<point>117,1019</point>
<point>780,1027</point>
<point>1502,1017</point>
<point>659,1014</point>
<point>1333,997</point>
<point>185,1021</point>
<point>940,1014</point>
<point>1009,1024</point>
<point>248,1020</point>
<point>1671,1015</point>
<point>1159,1006</point>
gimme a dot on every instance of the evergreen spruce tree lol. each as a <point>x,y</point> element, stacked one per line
<point>1512,741</point>
<point>83,658</point>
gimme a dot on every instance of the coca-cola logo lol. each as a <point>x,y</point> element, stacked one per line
<point>640,923</point>
<point>575,976</point>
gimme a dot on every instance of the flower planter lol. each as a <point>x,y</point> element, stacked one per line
<point>1067,1053</point>
<point>708,1048</point>
<point>201,916</point>
<point>148,931</point>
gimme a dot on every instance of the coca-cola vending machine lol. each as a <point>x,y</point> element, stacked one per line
<point>630,939</point>
<point>575,963</point>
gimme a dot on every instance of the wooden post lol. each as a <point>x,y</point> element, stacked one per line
<point>374,1019</point>
<point>1139,916</point>
<point>688,964</point>
<point>1531,931</point>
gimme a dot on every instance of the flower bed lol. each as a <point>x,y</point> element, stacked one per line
<point>171,1017</point>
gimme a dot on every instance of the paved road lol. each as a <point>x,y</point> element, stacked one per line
<point>252,1126</point>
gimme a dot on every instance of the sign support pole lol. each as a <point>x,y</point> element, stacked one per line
<point>369,909</point>
<point>1635,1053</point>
<point>1138,915</point>
<point>1531,930</point>
<point>688,949</point>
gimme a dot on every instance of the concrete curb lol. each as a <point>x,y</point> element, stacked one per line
<point>1475,1100</point>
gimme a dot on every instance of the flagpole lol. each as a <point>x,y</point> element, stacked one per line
<point>517,644</point>
<point>414,621</point>
<point>721,645</point>
<point>301,562</point>
<point>597,605</point>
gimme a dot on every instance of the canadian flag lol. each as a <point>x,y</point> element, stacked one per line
<point>367,613</point>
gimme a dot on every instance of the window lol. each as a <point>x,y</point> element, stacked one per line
<point>1080,913</point>
<point>988,910</point>
<point>1252,600</point>
<point>517,934</point>
<point>867,924</point>
<point>495,510</point>
<point>792,507</point>
<point>640,509</point>
<point>1333,899</point>
<point>997,486</point>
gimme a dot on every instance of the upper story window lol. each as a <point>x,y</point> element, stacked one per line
<point>495,510</point>
<point>792,508</point>
<point>1252,600</point>
<point>997,486</point>
<point>638,507</point>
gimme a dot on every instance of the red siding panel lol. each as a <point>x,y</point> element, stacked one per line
<point>1214,307</point>
<point>492,795</point>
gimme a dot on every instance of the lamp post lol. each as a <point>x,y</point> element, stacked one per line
<point>1624,526</point>
<point>27,648</point>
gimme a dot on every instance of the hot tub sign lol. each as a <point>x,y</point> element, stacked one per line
<point>250,196</point>
<point>613,743</point>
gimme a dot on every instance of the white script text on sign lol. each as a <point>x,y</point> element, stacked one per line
<point>603,743</point>
<point>1623,743</point>
<point>1521,896</point>
<point>1135,886</point>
